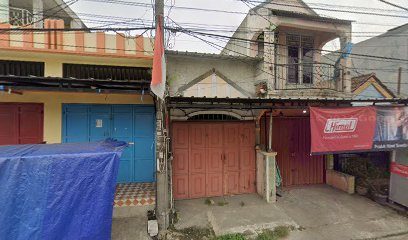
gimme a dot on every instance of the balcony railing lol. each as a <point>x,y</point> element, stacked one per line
<point>308,76</point>
<point>20,17</point>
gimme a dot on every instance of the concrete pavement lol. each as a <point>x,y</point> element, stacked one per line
<point>316,212</point>
<point>130,223</point>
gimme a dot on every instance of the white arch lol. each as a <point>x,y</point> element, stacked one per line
<point>232,114</point>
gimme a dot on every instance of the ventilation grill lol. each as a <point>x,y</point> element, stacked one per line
<point>213,117</point>
<point>22,68</point>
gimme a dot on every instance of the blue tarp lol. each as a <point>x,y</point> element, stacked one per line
<point>58,191</point>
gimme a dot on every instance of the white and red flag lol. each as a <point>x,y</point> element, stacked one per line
<point>158,83</point>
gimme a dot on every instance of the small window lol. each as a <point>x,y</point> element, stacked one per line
<point>300,59</point>
<point>261,45</point>
<point>213,117</point>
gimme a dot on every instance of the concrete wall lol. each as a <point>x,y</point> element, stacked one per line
<point>53,106</point>
<point>77,49</point>
<point>341,181</point>
<point>181,70</point>
<point>213,86</point>
<point>260,20</point>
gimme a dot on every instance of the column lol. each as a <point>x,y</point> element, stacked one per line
<point>4,11</point>
<point>38,13</point>
<point>346,64</point>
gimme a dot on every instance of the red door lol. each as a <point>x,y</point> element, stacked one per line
<point>291,140</point>
<point>213,159</point>
<point>21,123</point>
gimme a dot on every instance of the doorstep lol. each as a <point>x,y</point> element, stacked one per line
<point>134,200</point>
<point>135,194</point>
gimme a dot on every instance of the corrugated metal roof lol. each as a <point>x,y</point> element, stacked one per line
<point>266,103</point>
<point>213,55</point>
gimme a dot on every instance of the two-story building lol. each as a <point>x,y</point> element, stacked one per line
<point>59,86</point>
<point>232,110</point>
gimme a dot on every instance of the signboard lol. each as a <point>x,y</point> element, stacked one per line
<point>392,128</point>
<point>399,169</point>
<point>358,129</point>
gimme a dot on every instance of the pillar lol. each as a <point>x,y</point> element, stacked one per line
<point>345,63</point>
<point>38,13</point>
<point>4,11</point>
<point>270,176</point>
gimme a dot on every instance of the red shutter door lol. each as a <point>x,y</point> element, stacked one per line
<point>8,124</point>
<point>231,160</point>
<point>21,123</point>
<point>180,161</point>
<point>291,140</point>
<point>217,159</point>
<point>214,181</point>
<point>247,158</point>
<point>31,123</point>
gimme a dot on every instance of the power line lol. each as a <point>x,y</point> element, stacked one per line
<point>256,41</point>
<point>122,2</point>
<point>394,5</point>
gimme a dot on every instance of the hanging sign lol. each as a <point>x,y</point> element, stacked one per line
<point>342,129</point>
<point>358,129</point>
<point>391,129</point>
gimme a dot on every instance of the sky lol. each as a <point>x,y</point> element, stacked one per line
<point>137,13</point>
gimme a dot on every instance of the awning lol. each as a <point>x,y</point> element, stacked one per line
<point>72,84</point>
<point>270,103</point>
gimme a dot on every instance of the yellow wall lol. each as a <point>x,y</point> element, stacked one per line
<point>53,106</point>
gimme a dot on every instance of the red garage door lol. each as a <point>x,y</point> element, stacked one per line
<point>21,123</point>
<point>213,159</point>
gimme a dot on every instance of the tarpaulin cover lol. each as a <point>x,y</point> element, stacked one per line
<point>58,191</point>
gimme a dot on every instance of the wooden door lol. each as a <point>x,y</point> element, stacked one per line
<point>213,159</point>
<point>21,123</point>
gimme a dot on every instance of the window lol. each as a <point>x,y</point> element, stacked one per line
<point>21,68</point>
<point>300,59</point>
<point>100,72</point>
<point>261,45</point>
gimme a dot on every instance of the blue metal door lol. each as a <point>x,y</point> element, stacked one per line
<point>144,143</point>
<point>130,123</point>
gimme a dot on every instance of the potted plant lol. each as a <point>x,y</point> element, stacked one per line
<point>361,187</point>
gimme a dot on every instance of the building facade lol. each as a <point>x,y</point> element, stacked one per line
<point>59,85</point>
<point>238,115</point>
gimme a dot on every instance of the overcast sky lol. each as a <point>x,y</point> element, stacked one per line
<point>212,20</point>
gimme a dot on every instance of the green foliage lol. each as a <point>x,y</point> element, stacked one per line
<point>195,233</point>
<point>222,203</point>
<point>275,234</point>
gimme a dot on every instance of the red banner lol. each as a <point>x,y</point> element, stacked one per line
<point>399,169</point>
<point>342,129</point>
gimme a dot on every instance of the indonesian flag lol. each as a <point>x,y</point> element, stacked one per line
<point>158,83</point>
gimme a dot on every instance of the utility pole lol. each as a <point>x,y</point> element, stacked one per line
<point>162,178</point>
